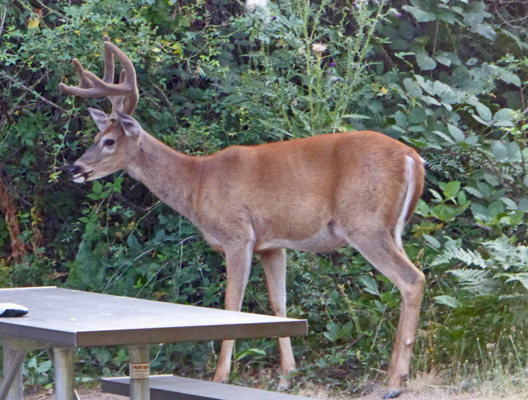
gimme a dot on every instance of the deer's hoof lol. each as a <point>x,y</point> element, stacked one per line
<point>392,394</point>
<point>283,387</point>
<point>220,379</point>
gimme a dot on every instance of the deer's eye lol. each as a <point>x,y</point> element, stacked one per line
<point>109,142</point>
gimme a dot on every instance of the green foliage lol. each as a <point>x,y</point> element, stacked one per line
<point>446,77</point>
<point>501,258</point>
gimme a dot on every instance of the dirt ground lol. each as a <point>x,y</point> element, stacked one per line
<point>425,386</point>
<point>439,393</point>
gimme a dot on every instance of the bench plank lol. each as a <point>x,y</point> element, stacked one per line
<point>170,387</point>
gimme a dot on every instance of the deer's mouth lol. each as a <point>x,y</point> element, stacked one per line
<point>78,175</point>
<point>81,177</point>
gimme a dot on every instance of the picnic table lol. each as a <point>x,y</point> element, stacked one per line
<point>62,319</point>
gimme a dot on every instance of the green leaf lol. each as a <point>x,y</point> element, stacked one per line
<point>481,213</point>
<point>475,192</point>
<point>417,115</point>
<point>422,208</point>
<point>449,301</point>
<point>44,367</point>
<point>451,189</point>
<point>477,118</point>
<point>432,241</point>
<point>121,357</point>
<point>97,187</point>
<point>510,204</point>
<point>512,219</point>
<point>431,100</point>
<point>485,30</point>
<point>160,235</point>
<point>370,284</point>
<point>500,151</point>
<point>333,332</point>
<point>504,117</point>
<point>412,87</point>
<point>401,119</point>
<point>492,179</point>
<point>476,14</point>
<point>483,111</point>
<point>514,151</point>
<point>445,92</point>
<point>443,59</point>
<point>102,355</point>
<point>457,134</point>
<point>446,15</point>
<point>444,136</point>
<point>462,199</point>
<point>132,242</point>
<point>419,14</point>
<point>472,139</point>
<point>425,62</point>
<point>250,352</point>
<point>445,213</point>
<point>437,195</point>
<point>509,77</point>
<point>523,204</point>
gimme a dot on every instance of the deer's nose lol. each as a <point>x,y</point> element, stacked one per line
<point>73,169</point>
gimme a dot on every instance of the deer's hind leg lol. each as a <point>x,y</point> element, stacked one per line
<point>381,250</point>
<point>274,264</point>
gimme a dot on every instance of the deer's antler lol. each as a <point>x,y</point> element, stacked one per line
<point>123,95</point>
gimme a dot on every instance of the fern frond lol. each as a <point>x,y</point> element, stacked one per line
<point>477,281</point>
<point>468,257</point>
<point>505,254</point>
<point>522,277</point>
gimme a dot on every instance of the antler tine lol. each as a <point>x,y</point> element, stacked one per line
<point>123,96</point>
<point>85,83</point>
<point>109,69</point>
<point>108,77</point>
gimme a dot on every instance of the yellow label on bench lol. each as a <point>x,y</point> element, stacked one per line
<point>140,370</point>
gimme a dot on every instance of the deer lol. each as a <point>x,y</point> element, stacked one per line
<point>311,194</point>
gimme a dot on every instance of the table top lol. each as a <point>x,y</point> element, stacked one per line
<point>72,318</point>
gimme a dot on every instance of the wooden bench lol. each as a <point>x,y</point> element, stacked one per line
<point>170,387</point>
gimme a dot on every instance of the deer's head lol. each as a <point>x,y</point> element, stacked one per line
<point>119,134</point>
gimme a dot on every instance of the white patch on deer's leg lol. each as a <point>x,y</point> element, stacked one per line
<point>409,178</point>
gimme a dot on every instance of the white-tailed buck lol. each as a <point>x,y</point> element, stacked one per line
<point>312,194</point>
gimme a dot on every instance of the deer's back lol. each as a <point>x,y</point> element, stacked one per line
<point>303,190</point>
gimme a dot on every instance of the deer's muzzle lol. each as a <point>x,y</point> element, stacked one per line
<point>77,174</point>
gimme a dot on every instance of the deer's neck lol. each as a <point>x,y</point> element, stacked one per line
<point>169,174</point>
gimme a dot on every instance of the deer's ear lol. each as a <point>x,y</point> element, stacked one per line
<point>131,127</point>
<point>100,118</point>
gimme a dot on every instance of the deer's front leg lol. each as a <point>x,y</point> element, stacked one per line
<point>238,265</point>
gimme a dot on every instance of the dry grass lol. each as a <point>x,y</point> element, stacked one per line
<point>437,386</point>
<point>425,386</point>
